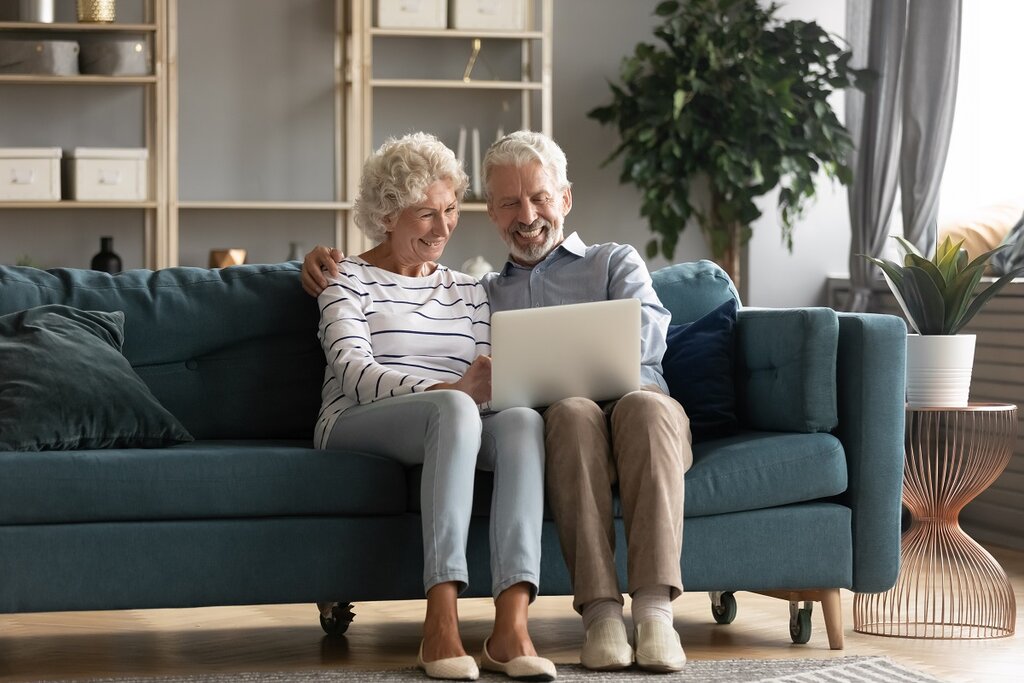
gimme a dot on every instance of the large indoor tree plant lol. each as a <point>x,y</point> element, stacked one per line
<point>733,95</point>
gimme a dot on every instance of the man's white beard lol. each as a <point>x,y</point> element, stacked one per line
<point>534,253</point>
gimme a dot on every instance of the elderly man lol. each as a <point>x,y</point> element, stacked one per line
<point>640,442</point>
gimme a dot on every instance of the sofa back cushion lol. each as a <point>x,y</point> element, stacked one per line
<point>231,353</point>
<point>787,358</point>
<point>691,290</point>
<point>785,364</point>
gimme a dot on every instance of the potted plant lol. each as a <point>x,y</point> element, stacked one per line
<point>937,298</point>
<point>735,97</point>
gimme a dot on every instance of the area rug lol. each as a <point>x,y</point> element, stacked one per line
<point>837,670</point>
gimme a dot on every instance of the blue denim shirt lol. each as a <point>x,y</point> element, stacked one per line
<point>574,273</point>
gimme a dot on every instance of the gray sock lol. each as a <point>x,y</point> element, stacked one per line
<point>601,609</point>
<point>652,603</point>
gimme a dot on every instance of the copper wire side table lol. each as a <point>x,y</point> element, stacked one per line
<point>948,585</point>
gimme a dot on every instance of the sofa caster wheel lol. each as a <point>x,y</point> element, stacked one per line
<point>723,607</point>
<point>335,617</point>
<point>800,622</point>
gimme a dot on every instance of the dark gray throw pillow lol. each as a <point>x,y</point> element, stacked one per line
<point>64,385</point>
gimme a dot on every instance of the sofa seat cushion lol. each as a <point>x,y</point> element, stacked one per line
<point>756,470</point>
<point>198,480</point>
<point>747,471</point>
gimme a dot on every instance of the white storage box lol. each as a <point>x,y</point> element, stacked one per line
<point>492,15</point>
<point>107,174</point>
<point>30,174</point>
<point>412,13</point>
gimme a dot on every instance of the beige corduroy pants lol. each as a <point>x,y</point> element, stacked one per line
<point>642,443</point>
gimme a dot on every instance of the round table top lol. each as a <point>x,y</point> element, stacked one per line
<point>969,408</point>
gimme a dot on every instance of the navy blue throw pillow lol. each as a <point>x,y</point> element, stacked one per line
<point>698,369</point>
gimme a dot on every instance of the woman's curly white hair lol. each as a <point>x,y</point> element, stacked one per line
<point>397,176</point>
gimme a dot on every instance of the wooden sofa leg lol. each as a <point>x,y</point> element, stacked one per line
<point>832,610</point>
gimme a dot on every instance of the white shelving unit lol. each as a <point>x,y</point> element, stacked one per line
<point>155,124</point>
<point>362,82</point>
<point>356,43</point>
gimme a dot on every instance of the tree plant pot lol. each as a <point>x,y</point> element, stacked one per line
<point>939,369</point>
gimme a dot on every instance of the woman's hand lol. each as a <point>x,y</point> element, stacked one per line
<point>476,382</point>
<point>313,280</point>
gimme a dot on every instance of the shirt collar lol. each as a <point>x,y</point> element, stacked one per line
<point>572,244</point>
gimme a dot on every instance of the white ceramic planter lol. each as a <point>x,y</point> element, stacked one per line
<point>939,370</point>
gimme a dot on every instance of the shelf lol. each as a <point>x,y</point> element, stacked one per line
<point>264,206</point>
<point>453,84</point>
<point>72,204</point>
<point>71,27</point>
<point>473,206</point>
<point>37,79</point>
<point>455,33</point>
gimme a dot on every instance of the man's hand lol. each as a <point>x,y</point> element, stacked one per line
<point>313,280</point>
<point>476,382</point>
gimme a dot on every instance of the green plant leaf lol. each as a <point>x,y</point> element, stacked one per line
<point>958,297</point>
<point>927,266</point>
<point>924,300</point>
<point>984,296</point>
<point>908,247</point>
<point>652,249</point>
<point>949,263</point>
<point>980,261</point>
<point>666,8</point>
<point>904,306</point>
<point>893,270</point>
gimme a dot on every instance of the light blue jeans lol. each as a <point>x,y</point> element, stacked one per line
<point>443,431</point>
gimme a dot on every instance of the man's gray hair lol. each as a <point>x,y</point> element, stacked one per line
<point>524,147</point>
<point>397,176</point>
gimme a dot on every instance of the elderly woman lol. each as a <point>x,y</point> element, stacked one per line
<point>406,342</point>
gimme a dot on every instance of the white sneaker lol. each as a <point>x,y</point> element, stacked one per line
<point>605,646</point>
<point>658,647</point>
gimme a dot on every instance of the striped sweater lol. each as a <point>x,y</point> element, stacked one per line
<point>385,334</point>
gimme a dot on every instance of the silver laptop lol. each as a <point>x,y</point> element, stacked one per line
<point>542,355</point>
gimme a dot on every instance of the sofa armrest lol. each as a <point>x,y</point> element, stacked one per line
<point>871,383</point>
<point>786,368</point>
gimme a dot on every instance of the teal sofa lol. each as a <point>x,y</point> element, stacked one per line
<point>802,501</point>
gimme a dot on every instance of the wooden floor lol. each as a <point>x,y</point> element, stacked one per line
<point>59,646</point>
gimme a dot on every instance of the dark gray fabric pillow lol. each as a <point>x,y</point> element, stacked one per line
<point>64,385</point>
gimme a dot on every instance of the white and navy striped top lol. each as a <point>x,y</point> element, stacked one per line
<point>385,334</point>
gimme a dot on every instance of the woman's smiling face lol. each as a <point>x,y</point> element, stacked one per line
<point>420,232</point>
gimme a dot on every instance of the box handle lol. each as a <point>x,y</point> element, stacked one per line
<point>109,176</point>
<point>22,176</point>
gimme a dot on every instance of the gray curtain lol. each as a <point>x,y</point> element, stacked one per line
<point>931,64</point>
<point>900,126</point>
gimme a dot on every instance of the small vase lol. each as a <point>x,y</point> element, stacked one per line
<point>296,251</point>
<point>106,261</point>
<point>38,11</point>
<point>96,11</point>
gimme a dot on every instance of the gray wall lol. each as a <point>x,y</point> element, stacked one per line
<point>591,40</point>
<point>821,242</point>
<point>250,103</point>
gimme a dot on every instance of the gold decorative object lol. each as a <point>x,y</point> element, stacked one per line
<point>222,258</point>
<point>96,11</point>
<point>466,75</point>
<point>948,586</point>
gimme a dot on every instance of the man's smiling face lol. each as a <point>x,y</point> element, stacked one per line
<point>528,208</point>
